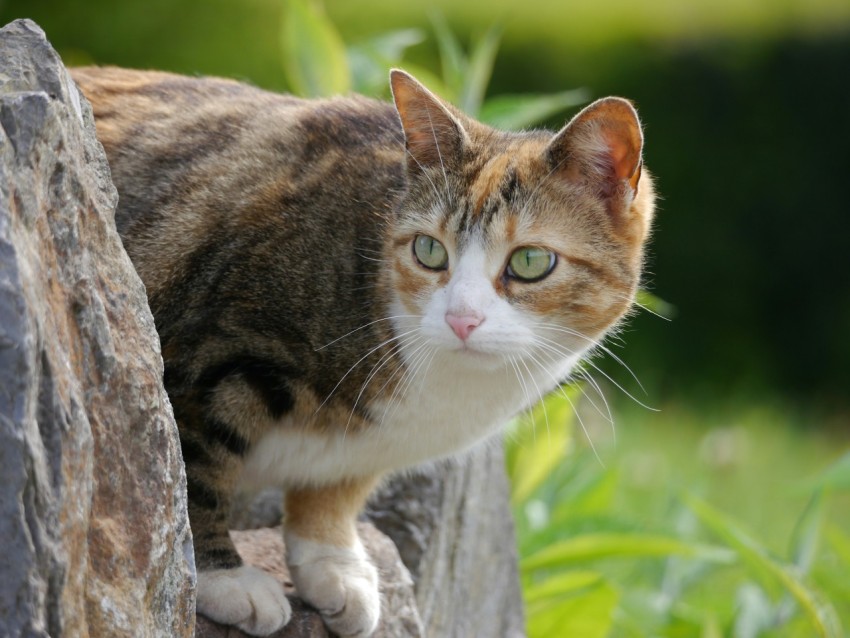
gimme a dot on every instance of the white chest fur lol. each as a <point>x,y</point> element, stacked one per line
<point>445,409</point>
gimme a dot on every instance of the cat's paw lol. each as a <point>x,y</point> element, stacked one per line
<point>245,597</point>
<point>338,581</point>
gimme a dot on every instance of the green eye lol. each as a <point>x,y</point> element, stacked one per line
<point>430,252</point>
<point>531,263</point>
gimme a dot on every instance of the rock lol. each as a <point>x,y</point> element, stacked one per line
<point>264,548</point>
<point>452,525</point>
<point>93,519</point>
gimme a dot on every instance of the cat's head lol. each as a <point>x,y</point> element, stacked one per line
<point>517,245</point>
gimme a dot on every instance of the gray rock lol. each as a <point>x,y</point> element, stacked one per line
<point>92,490</point>
<point>452,525</point>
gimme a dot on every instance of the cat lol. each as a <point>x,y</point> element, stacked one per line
<point>345,287</point>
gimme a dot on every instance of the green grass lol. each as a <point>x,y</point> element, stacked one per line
<point>711,521</point>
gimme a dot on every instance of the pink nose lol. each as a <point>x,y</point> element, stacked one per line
<point>463,325</point>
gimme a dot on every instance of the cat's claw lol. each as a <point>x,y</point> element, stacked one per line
<point>245,597</point>
<point>338,581</point>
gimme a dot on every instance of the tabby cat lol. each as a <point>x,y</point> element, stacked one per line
<point>344,288</point>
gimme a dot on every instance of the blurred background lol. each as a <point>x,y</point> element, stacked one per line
<point>746,105</point>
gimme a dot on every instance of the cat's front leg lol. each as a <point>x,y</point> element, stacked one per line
<point>327,562</point>
<point>229,592</point>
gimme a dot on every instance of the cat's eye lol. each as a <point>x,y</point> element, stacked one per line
<point>430,252</point>
<point>531,263</point>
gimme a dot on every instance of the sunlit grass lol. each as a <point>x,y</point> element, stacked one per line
<point>697,521</point>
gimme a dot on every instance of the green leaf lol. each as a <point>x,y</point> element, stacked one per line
<point>314,57</point>
<point>371,60</point>
<point>771,572</point>
<point>452,57</point>
<point>807,534</point>
<point>516,112</point>
<point>592,547</point>
<point>561,585</point>
<point>479,71</point>
<point>589,614</point>
<point>655,305</point>
<point>754,612</point>
<point>836,476</point>
<point>839,541</point>
<point>539,443</point>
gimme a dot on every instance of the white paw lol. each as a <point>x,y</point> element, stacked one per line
<point>338,581</point>
<point>245,597</point>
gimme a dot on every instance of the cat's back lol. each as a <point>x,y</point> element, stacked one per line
<point>194,158</point>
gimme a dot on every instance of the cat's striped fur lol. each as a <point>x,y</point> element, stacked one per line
<point>305,344</point>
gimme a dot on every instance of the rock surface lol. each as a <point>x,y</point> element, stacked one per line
<point>453,527</point>
<point>93,517</point>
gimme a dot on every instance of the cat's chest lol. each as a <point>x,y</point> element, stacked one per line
<point>441,411</point>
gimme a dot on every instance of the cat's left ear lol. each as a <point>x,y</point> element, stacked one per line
<point>433,136</point>
<point>602,146</point>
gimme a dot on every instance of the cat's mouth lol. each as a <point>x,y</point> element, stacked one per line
<point>470,353</point>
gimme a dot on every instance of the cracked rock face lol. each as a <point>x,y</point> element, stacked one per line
<point>93,519</point>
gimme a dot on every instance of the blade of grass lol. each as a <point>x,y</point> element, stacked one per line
<point>592,547</point>
<point>452,58</point>
<point>516,112</point>
<point>479,71</point>
<point>820,614</point>
<point>589,615</point>
<point>561,585</point>
<point>539,443</point>
<point>314,57</point>
<point>371,60</point>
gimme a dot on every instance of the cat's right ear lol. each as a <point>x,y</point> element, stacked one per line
<point>433,136</point>
<point>602,148</point>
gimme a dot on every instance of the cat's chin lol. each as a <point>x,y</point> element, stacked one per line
<point>476,358</point>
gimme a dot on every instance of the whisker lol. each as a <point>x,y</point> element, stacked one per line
<point>553,356</point>
<point>540,399</point>
<point>595,344</point>
<point>385,358</point>
<point>417,358</point>
<point>642,306</point>
<point>356,363</point>
<point>606,375</point>
<point>365,325</point>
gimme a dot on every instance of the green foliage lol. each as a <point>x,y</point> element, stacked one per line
<point>589,571</point>
<point>313,53</point>
<point>318,64</point>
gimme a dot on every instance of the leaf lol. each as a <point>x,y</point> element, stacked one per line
<point>371,60</point>
<point>820,614</point>
<point>452,57</point>
<point>516,112</point>
<point>655,305</point>
<point>839,541</point>
<point>806,535</point>
<point>592,547</point>
<point>588,614</point>
<point>755,613</point>
<point>836,476</point>
<point>479,71</point>
<point>314,57</point>
<point>561,585</point>
<point>539,443</point>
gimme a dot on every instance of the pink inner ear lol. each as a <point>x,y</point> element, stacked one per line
<point>624,156</point>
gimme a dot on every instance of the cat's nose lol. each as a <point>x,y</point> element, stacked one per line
<point>463,325</point>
